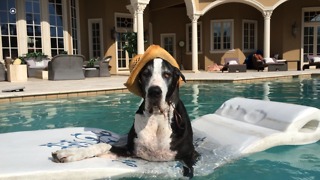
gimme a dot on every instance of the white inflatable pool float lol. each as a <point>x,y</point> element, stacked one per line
<point>238,127</point>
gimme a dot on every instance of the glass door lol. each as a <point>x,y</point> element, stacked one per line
<point>124,24</point>
<point>311,32</point>
<point>95,38</point>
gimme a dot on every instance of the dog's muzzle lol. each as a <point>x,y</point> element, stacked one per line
<point>154,96</point>
<point>154,92</point>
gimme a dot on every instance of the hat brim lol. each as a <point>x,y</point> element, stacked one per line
<point>153,51</point>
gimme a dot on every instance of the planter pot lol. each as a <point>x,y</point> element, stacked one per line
<point>17,73</point>
<point>91,72</point>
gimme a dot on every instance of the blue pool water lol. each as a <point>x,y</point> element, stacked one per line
<point>115,112</point>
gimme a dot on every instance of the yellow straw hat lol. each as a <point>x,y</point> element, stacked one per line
<point>139,61</point>
<point>134,61</point>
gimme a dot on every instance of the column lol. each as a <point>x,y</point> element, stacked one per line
<point>21,28</point>
<point>266,46</point>
<point>139,8</point>
<point>45,28</point>
<point>194,19</point>
<point>134,16</point>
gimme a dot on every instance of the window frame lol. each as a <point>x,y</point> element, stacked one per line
<point>309,24</point>
<point>221,50</point>
<point>255,46</point>
<point>78,39</point>
<point>32,38</point>
<point>9,35</point>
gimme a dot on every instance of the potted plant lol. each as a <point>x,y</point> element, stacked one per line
<point>91,70</point>
<point>36,56</point>
<point>130,43</point>
<point>63,52</point>
<point>91,62</point>
<point>36,59</point>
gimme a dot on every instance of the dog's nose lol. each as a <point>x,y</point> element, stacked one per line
<point>155,92</point>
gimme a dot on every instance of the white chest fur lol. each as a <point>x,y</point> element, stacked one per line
<point>153,136</point>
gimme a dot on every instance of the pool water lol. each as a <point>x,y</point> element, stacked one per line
<point>115,112</point>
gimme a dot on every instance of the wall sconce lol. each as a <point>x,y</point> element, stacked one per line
<point>294,29</point>
<point>181,45</point>
<point>113,33</point>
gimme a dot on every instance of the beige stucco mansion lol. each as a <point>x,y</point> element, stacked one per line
<point>196,32</point>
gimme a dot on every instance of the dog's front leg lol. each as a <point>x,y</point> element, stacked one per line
<point>76,154</point>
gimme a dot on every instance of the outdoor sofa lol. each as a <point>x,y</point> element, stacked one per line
<point>66,67</point>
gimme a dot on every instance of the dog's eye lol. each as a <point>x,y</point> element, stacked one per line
<point>166,75</point>
<point>146,73</point>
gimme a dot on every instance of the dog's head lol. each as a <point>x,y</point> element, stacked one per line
<point>159,81</point>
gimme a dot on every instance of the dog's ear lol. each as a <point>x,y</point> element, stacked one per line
<point>179,74</point>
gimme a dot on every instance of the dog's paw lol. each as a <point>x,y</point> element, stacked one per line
<point>76,154</point>
<point>68,155</point>
<point>188,172</point>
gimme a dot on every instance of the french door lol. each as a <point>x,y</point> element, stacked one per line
<point>95,38</point>
<point>311,31</point>
<point>168,42</point>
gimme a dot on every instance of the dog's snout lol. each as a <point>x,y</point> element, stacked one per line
<point>155,92</point>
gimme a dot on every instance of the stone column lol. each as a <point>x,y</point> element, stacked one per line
<point>21,29</point>
<point>139,8</point>
<point>194,20</point>
<point>266,45</point>
<point>134,16</point>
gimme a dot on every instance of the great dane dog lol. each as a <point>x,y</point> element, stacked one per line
<point>161,130</point>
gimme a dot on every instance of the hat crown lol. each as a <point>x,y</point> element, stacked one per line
<point>140,60</point>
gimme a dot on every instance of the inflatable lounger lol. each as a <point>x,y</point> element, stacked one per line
<point>238,127</point>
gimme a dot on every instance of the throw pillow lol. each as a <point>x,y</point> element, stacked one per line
<point>269,60</point>
<point>316,59</point>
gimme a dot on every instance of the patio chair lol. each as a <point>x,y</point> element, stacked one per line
<point>3,72</point>
<point>233,65</point>
<point>275,65</point>
<point>260,63</point>
<point>100,68</point>
<point>104,66</point>
<point>66,67</point>
<point>312,61</point>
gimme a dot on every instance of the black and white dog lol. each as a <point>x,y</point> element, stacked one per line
<point>161,131</point>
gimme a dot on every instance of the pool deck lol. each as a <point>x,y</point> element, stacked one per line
<point>38,89</point>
